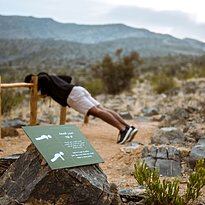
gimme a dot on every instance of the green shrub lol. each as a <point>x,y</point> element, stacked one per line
<point>162,83</point>
<point>118,71</point>
<point>167,192</point>
<point>202,72</point>
<point>10,99</point>
<point>189,73</point>
<point>94,86</point>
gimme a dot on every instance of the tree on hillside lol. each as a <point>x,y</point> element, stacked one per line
<point>117,72</point>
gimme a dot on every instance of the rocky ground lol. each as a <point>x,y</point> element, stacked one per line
<point>182,108</point>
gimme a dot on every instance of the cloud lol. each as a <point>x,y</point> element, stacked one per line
<point>78,11</point>
<point>177,23</point>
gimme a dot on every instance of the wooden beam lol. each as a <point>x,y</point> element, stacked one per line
<point>14,85</point>
<point>33,100</point>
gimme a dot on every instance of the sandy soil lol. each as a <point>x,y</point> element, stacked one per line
<point>119,159</point>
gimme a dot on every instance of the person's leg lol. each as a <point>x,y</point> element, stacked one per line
<point>81,100</point>
<point>117,116</point>
<point>134,130</point>
<point>107,117</point>
<point>124,131</point>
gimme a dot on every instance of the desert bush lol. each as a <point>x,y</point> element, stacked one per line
<point>10,99</point>
<point>188,72</point>
<point>162,82</point>
<point>94,86</point>
<point>167,192</point>
<point>201,72</point>
<point>117,72</point>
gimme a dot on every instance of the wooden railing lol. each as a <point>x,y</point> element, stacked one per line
<point>34,96</point>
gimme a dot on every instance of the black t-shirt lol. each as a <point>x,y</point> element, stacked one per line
<point>55,87</point>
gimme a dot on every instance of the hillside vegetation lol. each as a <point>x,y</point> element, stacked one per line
<point>31,45</point>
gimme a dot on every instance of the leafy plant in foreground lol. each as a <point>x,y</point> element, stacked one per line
<point>167,192</point>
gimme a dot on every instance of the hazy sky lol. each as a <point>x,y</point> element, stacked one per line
<point>180,18</point>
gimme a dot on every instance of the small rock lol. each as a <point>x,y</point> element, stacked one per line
<point>150,111</point>
<point>9,132</point>
<point>134,194</point>
<point>130,147</point>
<point>126,115</point>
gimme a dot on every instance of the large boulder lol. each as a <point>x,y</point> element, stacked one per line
<point>168,135</point>
<point>197,152</point>
<point>166,159</point>
<point>6,161</point>
<point>30,180</point>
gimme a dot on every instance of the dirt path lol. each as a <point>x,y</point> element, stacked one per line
<point>119,159</point>
<point>118,165</point>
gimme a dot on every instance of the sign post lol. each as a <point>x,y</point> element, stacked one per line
<point>62,146</point>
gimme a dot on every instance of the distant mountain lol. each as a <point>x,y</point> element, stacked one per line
<point>39,40</point>
<point>19,27</point>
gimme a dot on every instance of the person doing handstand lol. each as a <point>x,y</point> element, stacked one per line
<point>60,89</point>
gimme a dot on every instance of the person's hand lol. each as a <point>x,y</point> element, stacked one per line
<point>42,96</point>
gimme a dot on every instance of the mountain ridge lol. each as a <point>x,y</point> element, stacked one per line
<point>36,40</point>
<point>48,28</point>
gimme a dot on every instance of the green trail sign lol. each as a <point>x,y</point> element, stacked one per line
<point>62,146</point>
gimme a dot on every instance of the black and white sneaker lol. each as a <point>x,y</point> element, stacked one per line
<point>132,133</point>
<point>124,135</point>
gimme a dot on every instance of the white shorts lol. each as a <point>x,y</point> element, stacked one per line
<point>80,100</point>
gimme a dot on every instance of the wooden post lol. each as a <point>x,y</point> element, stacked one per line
<point>0,107</point>
<point>62,115</point>
<point>33,102</point>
